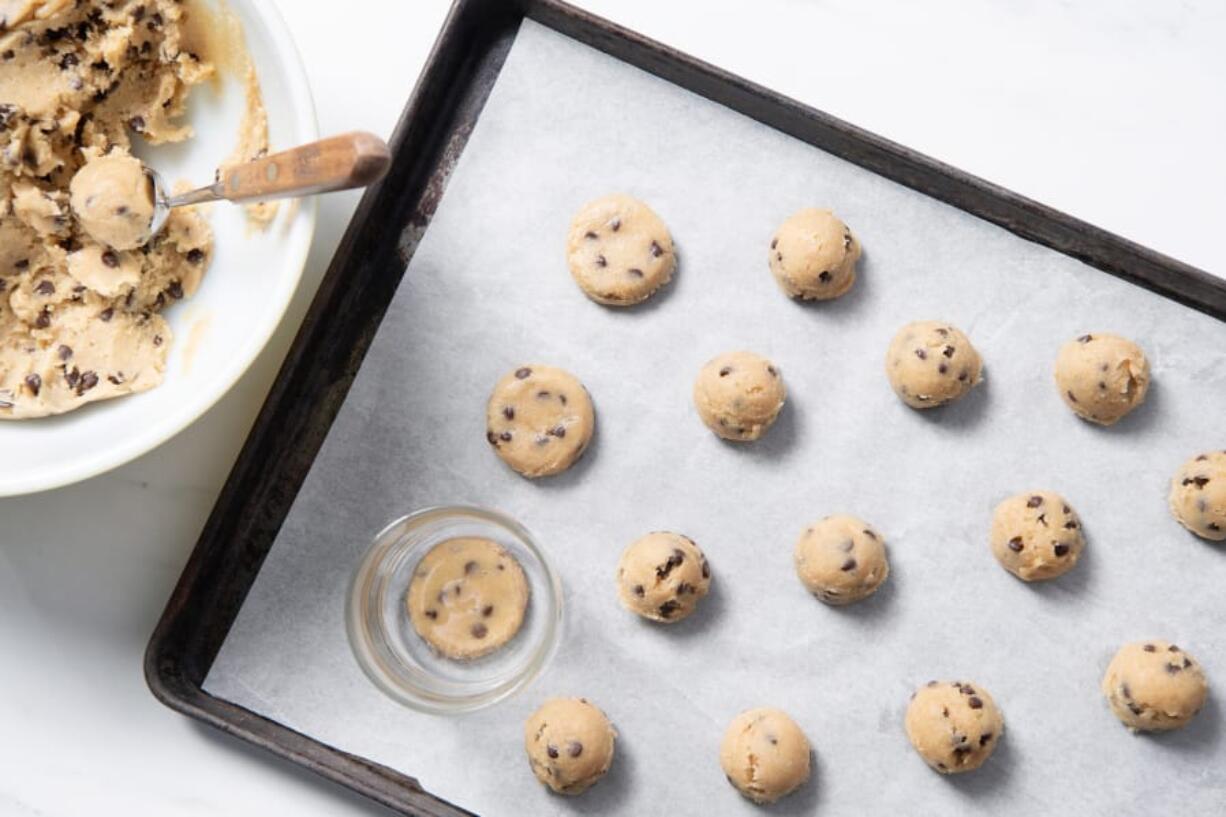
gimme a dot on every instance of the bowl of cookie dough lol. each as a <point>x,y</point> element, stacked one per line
<point>106,352</point>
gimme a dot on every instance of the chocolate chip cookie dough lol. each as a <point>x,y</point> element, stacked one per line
<point>80,319</point>
<point>662,576</point>
<point>1154,686</point>
<point>1198,495</point>
<point>112,199</point>
<point>569,744</point>
<point>539,420</point>
<point>764,754</point>
<point>841,559</point>
<point>467,597</point>
<point>931,363</point>
<point>953,726</point>
<point>1102,377</point>
<point>813,255</point>
<point>739,394</point>
<point>619,251</point>
<point>1036,535</point>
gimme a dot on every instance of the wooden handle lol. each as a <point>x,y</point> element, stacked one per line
<point>337,163</point>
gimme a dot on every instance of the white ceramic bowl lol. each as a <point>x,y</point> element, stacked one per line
<point>220,330</point>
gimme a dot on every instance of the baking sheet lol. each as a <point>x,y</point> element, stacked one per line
<point>488,289</point>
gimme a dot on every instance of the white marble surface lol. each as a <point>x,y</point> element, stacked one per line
<point>1110,110</point>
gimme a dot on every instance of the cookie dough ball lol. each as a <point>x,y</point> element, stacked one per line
<point>954,726</point>
<point>1102,377</point>
<point>1198,495</point>
<point>841,559</point>
<point>739,395</point>
<point>931,363</point>
<point>662,576</point>
<point>813,255</point>
<point>764,754</point>
<point>619,251</point>
<point>1036,535</point>
<point>539,420</point>
<point>1153,686</point>
<point>569,744</point>
<point>113,200</point>
<point>467,597</point>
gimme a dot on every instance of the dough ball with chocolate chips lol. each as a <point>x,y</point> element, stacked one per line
<point>1102,377</point>
<point>931,363</point>
<point>813,255</point>
<point>539,420</point>
<point>764,754</point>
<point>1153,686</point>
<point>954,726</point>
<point>1198,495</point>
<point>739,394</point>
<point>467,597</point>
<point>619,251</point>
<point>841,559</point>
<point>1036,535</point>
<point>662,576</point>
<point>569,744</point>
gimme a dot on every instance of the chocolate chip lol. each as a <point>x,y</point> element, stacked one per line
<point>615,224</point>
<point>551,750</point>
<point>1015,544</point>
<point>1042,519</point>
<point>487,610</point>
<point>522,373</point>
<point>656,250</point>
<point>562,397</point>
<point>849,564</point>
<point>601,262</point>
<point>589,235</point>
<point>88,380</point>
<point>945,712</point>
<point>774,243</point>
<point>574,748</point>
<point>724,372</point>
<point>772,371</point>
<point>942,369</point>
<point>1061,549</point>
<point>1172,648</point>
<point>1125,691</point>
<point>195,255</point>
<point>778,256</point>
<point>1102,386</point>
<point>1085,338</point>
<point>34,382</point>
<point>635,272</point>
<point>69,60</point>
<point>65,352</point>
<point>110,259</point>
<point>505,436</point>
<point>106,314</point>
<point>1213,526</point>
<point>1071,524</point>
<point>1173,668</point>
<point>542,395</point>
<point>674,560</point>
<point>921,354</point>
<point>479,630</point>
<point>964,376</point>
<point>469,567</point>
<point>1070,395</point>
<point>43,320</point>
<point>45,287</point>
<point>72,378</point>
<point>824,277</point>
<point>508,412</point>
<point>432,613</point>
<point>706,569</point>
<point>492,437</point>
<point>175,290</point>
<point>1187,662</point>
<point>1034,502</point>
<point>1149,648</point>
<point>984,738</point>
<point>1199,482</point>
<point>685,587</point>
<point>558,431</point>
<point>1202,458</point>
<point>1134,709</point>
<point>137,123</point>
<point>639,590</point>
<point>668,608</point>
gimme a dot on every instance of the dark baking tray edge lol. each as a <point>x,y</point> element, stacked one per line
<point>367,268</point>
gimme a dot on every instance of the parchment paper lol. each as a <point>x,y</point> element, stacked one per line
<point>488,289</point>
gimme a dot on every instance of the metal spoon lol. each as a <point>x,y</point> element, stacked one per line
<point>338,163</point>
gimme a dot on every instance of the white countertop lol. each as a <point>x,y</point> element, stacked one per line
<point>1112,111</point>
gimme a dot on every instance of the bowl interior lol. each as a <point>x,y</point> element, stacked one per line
<point>219,331</point>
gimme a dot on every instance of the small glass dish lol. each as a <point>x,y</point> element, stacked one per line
<point>399,661</point>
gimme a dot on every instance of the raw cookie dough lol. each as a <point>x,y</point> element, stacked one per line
<point>813,255</point>
<point>841,559</point>
<point>539,419</point>
<point>739,394</point>
<point>954,726</point>
<point>1102,377</point>
<point>467,597</point>
<point>1198,495</point>
<point>619,251</point>
<point>79,321</point>
<point>1036,535</point>
<point>1153,686</point>
<point>662,576</point>
<point>112,199</point>
<point>764,754</point>
<point>931,363</point>
<point>569,744</point>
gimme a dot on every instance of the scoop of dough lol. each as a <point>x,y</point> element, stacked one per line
<point>1154,686</point>
<point>841,559</point>
<point>619,251</point>
<point>1036,535</point>
<point>813,255</point>
<point>953,726</point>
<point>662,576</point>
<point>113,199</point>
<point>764,754</point>
<point>1102,377</point>
<point>931,363</point>
<point>539,420</point>
<point>569,744</point>
<point>1198,495</point>
<point>739,394</point>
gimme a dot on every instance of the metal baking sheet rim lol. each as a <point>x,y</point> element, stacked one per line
<point>429,138</point>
